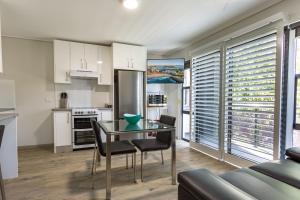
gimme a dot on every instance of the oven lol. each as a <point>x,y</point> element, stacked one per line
<point>83,134</point>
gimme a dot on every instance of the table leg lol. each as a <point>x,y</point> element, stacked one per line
<point>145,136</point>
<point>108,166</point>
<point>173,148</point>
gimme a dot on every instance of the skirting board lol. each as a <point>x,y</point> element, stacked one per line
<point>63,149</point>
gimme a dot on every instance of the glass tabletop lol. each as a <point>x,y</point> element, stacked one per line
<point>123,127</point>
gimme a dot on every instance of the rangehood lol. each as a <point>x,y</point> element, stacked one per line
<point>84,74</point>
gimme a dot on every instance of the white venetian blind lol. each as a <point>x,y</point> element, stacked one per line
<point>205,99</point>
<point>250,98</point>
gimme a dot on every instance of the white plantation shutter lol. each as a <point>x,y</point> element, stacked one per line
<point>250,98</point>
<point>205,99</point>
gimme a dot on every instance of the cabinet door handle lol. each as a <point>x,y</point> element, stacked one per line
<point>85,63</point>
<point>100,77</point>
<point>68,120</point>
<point>81,63</point>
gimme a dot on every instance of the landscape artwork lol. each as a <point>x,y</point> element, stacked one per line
<point>164,71</point>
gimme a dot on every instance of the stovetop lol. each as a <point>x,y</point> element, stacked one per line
<point>85,111</point>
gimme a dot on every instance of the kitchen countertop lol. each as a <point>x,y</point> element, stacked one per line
<point>62,109</point>
<point>6,109</point>
<point>7,114</point>
<point>70,109</point>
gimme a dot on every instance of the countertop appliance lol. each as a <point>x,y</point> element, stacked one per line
<point>82,131</point>
<point>157,100</point>
<point>129,93</point>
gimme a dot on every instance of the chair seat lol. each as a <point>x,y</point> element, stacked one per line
<point>149,145</point>
<point>120,147</point>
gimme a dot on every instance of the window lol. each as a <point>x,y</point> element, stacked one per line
<point>205,99</point>
<point>186,103</point>
<point>250,98</point>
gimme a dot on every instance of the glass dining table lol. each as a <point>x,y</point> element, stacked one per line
<point>121,127</point>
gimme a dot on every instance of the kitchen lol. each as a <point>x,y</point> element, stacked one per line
<point>85,87</point>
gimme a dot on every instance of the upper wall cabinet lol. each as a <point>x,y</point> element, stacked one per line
<point>84,57</point>
<point>70,56</point>
<point>105,65</point>
<point>62,62</point>
<point>129,57</point>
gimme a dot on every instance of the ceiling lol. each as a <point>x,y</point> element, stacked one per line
<point>161,25</point>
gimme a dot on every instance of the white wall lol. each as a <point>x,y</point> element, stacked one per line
<point>84,93</point>
<point>30,64</point>
<point>287,10</point>
<point>173,92</point>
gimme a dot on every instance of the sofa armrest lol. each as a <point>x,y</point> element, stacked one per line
<point>202,184</point>
<point>293,153</point>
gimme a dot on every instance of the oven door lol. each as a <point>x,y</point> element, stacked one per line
<point>83,122</point>
<point>83,138</point>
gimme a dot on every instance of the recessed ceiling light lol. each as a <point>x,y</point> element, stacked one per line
<point>130,4</point>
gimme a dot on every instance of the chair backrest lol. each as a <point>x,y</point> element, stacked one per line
<point>2,127</point>
<point>97,132</point>
<point>165,136</point>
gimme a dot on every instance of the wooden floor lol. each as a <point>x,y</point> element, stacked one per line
<point>48,176</point>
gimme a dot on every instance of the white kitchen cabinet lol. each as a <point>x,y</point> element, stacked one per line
<point>62,129</point>
<point>105,115</point>
<point>105,68</point>
<point>129,57</point>
<point>91,57</point>
<point>84,57</point>
<point>139,58</point>
<point>121,56</point>
<point>77,56</point>
<point>62,62</point>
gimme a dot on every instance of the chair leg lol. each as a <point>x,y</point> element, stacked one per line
<point>94,157</point>
<point>134,166</point>
<point>142,166</point>
<point>162,157</point>
<point>132,160</point>
<point>2,185</point>
<point>126,161</point>
<point>98,157</point>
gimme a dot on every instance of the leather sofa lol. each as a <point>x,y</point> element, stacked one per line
<point>276,180</point>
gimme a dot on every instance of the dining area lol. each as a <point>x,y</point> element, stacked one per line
<point>164,139</point>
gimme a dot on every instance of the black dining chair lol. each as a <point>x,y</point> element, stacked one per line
<point>1,178</point>
<point>117,148</point>
<point>161,142</point>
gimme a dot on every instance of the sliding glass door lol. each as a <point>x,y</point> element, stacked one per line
<point>250,98</point>
<point>206,81</point>
<point>236,99</point>
<point>296,132</point>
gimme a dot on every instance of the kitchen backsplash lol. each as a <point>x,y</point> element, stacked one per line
<point>84,93</point>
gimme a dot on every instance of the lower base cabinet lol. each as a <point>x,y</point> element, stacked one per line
<point>62,131</point>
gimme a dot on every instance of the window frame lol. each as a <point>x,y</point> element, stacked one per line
<point>187,66</point>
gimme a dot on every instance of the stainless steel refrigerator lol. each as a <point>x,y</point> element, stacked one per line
<point>129,93</point>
